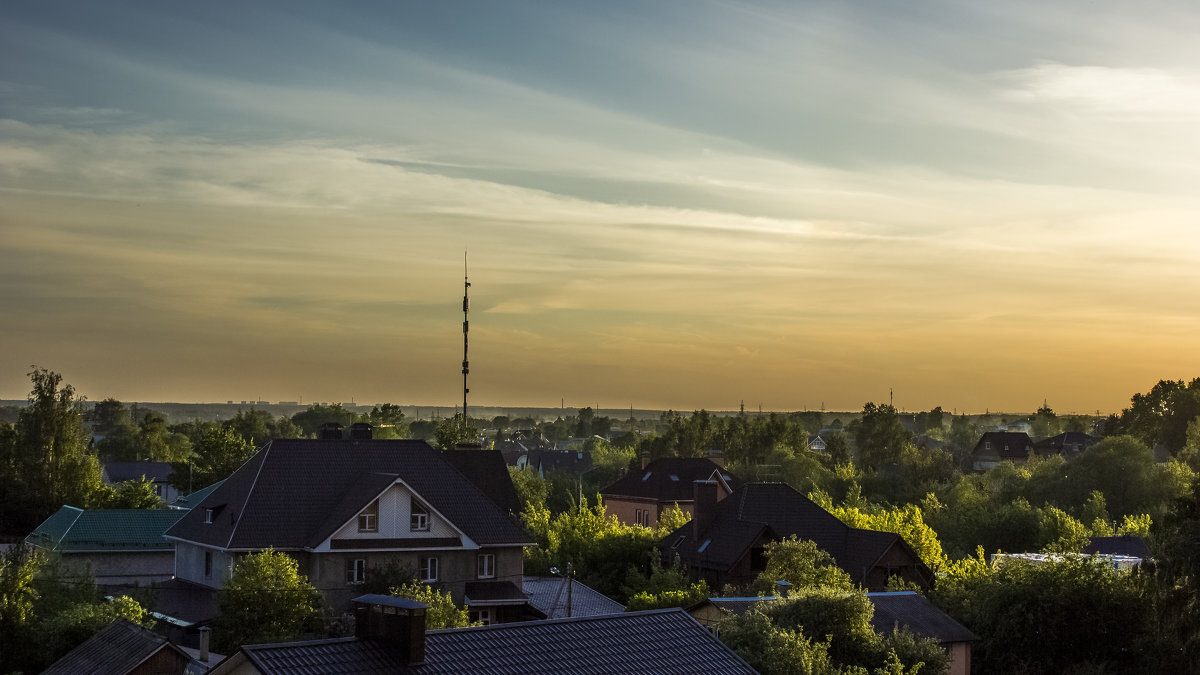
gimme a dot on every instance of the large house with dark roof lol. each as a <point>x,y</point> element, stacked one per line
<point>340,507</point>
<point>1001,446</point>
<point>390,637</point>
<point>725,541</point>
<point>640,497</point>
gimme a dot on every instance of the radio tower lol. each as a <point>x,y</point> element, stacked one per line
<point>466,308</point>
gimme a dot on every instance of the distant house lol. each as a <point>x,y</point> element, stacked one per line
<point>155,472</point>
<point>124,648</point>
<point>116,546</point>
<point>561,598</point>
<point>904,609</point>
<point>390,637</point>
<point>1070,444</point>
<point>725,541</point>
<point>1001,446</point>
<point>1130,545</point>
<point>543,462</point>
<point>640,497</point>
<point>911,611</point>
<point>341,507</point>
<point>816,444</point>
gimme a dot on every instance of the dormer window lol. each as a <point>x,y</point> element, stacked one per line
<point>208,516</point>
<point>368,520</point>
<point>420,517</point>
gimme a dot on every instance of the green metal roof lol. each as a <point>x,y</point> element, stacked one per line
<point>106,529</point>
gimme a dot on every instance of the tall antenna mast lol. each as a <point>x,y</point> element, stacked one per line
<point>466,308</point>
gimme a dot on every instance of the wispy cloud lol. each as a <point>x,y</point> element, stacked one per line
<point>1107,90</point>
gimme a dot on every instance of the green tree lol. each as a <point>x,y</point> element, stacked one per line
<point>389,421</point>
<point>266,599</point>
<point>441,612</point>
<point>258,426</point>
<point>311,420</point>
<point>879,436</point>
<point>18,566</point>
<point>131,494</point>
<point>837,446</point>
<point>218,454</point>
<point>46,456</point>
<point>803,565</point>
<point>454,430</point>
<point>1045,423</point>
<point>107,415</point>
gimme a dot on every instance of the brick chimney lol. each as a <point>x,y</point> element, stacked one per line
<point>645,459</point>
<point>704,506</point>
<point>397,622</point>
<point>331,431</point>
<point>361,431</point>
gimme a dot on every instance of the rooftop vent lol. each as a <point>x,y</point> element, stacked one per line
<point>331,431</point>
<point>361,431</point>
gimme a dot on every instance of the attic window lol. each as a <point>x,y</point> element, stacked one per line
<point>678,542</point>
<point>368,520</point>
<point>704,545</point>
<point>987,445</point>
<point>420,517</point>
<point>675,478</point>
<point>647,476</point>
<point>208,516</point>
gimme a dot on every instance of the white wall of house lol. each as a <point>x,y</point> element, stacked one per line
<point>395,519</point>
<point>190,564</point>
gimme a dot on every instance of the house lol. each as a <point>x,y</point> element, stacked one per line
<point>155,472</point>
<point>1001,446</point>
<point>912,611</point>
<point>725,541</point>
<point>1130,545</point>
<point>124,648</point>
<point>816,444</point>
<point>390,637</point>
<point>904,609</point>
<point>640,497</point>
<point>563,597</point>
<point>543,462</point>
<point>116,546</point>
<point>1069,444</point>
<point>341,507</point>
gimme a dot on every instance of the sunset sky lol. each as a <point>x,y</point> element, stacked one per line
<point>666,204</point>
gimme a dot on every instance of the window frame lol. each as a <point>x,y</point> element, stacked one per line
<point>356,570</point>
<point>429,569</point>
<point>208,564</point>
<point>208,515</point>
<point>485,566</point>
<point>418,518</point>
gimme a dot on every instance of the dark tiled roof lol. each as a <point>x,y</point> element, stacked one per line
<point>1005,444</point>
<point>736,606</point>
<point>559,460</point>
<point>1128,544</point>
<point>118,472</point>
<point>1076,441</point>
<point>489,472</point>
<point>910,610</point>
<point>294,493</point>
<point>493,592</point>
<point>71,529</point>
<point>779,511</point>
<point>669,479</point>
<point>655,641</point>
<point>115,650</point>
<point>548,595</point>
<point>188,501</point>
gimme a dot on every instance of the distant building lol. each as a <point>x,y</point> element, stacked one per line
<point>155,472</point>
<point>126,649</point>
<point>1001,446</point>
<point>640,497</point>
<point>116,546</point>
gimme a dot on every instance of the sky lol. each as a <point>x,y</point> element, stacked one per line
<point>683,205</point>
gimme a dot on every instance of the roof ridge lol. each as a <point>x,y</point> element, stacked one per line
<point>249,493</point>
<point>67,529</point>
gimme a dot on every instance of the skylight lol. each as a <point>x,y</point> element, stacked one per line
<point>647,476</point>
<point>674,477</point>
<point>704,545</point>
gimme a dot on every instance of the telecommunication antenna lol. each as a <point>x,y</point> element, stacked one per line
<point>466,309</point>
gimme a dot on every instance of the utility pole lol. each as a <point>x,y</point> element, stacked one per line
<point>466,308</point>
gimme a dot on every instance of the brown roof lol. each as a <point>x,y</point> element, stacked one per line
<point>116,650</point>
<point>669,479</point>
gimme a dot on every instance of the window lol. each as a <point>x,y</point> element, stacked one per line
<point>485,565</point>
<point>481,616</point>
<point>208,516</point>
<point>647,476</point>
<point>368,520</point>
<point>420,517</point>
<point>429,569</point>
<point>987,445</point>
<point>208,563</point>
<point>356,571</point>
<point>637,516</point>
<point>704,545</point>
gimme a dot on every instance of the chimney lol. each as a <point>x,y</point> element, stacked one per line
<point>397,622</point>
<point>360,431</point>
<point>204,631</point>
<point>645,459</point>
<point>331,431</point>
<point>704,506</point>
